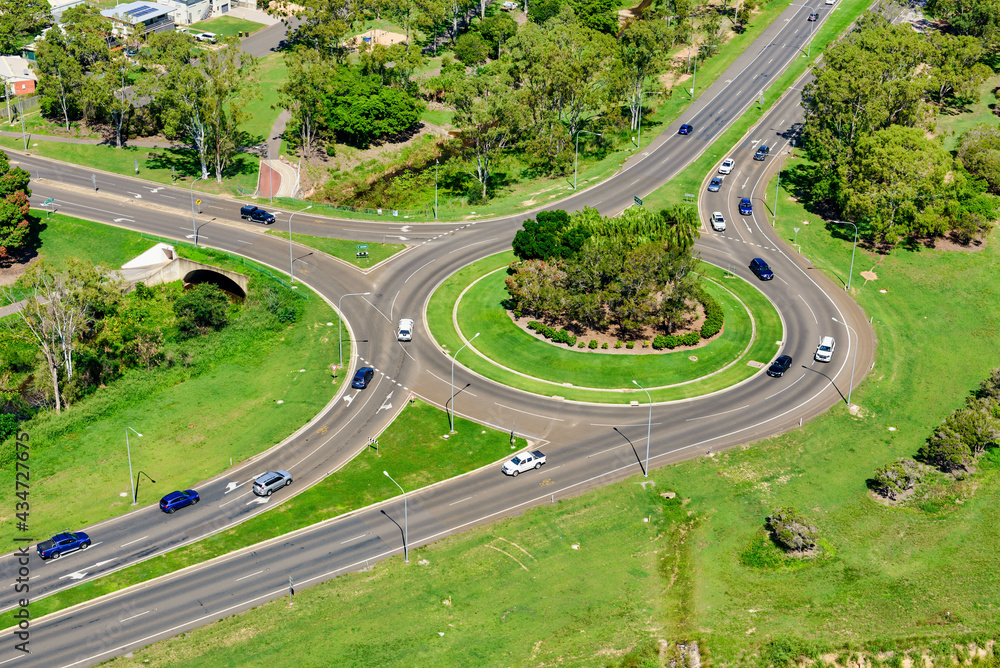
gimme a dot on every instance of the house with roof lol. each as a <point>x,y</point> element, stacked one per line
<point>146,17</point>
<point>19,77</point>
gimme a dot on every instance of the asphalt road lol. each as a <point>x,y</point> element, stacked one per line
<point>587,445</point>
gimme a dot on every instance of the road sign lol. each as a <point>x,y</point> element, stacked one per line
<point>198,202</point>
<point>362,246</point>
<point>49,201</point>
<point>638,201</point>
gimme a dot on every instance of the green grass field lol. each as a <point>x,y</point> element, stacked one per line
<point>344,249</point>
<point>952,124</point>
<point>264,110</point>
<point>411,449</point>
<point>227,26</point>
<point>667,375</point>
<point>185,413</point>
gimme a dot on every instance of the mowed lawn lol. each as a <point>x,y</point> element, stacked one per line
<point>922,577</point>
<point>241,393</point>
<point>227,26</point>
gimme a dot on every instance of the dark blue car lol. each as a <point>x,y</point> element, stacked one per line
<point>685,129</point>
<point>62,543</point>
<point>715,184</point>
<point>760,268</point>
<point>779,367</point>
<point>746,208</point>
<point>176,500</point>
<point>363,377</point>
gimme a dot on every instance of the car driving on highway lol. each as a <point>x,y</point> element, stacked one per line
<point>363,377</point>
<point>264,485</point>
<point>63,543</point>
<point>760,269</point>
<point>718,221</point>
<point>762,152</point>
<point>174,501</point>
<point>715,184</point>
<point>727,166</point>
<point>685,129</point>
<point>746,208</point>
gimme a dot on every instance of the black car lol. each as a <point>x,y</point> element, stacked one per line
<point>814,17</point>
<point>685,129</point>
<point>760,268</point>
<point>715,184</point>
<point>761,152</point>
<point>780,366</point>
<point>363,377</point>
<point>256,214</point>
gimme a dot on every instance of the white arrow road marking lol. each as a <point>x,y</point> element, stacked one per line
<point>122,220</point>
<point>260,499</point>
<point>233,485</point>
<point>154,190</point>
<point>200,236</point>
<point>135,195</point>
<point>386,406</point>
<point>404,228</point>
<point>745,182</point>
<point>80,574</point>
<point>351,398</point>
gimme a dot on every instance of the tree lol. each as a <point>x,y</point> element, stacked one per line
<point>640,55</point>
<point>470,49</point>
<point>990,387</point>
<point>684,226</point>
<point>15,227</point>
<point>978,18</point>
<point>60,77</point>
<point>490,118</point>
<point>325,24</point>
<point>895,479</point>
<point>360,110</point>
<point>964,435</point>
<point>497,29</point>
<point>200,309</point>
<point>19,19</point>
<point>890,174</point>
<point>303,94</point>
<point>232,82</point>
<point>88,35</point>
<point>979,152</point>
<point>548,236</point>
<point>109,94</point>
<point>183,98</point>
<point>956,70</point>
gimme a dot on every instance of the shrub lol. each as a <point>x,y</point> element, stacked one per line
<point>593,344</point>
<point>645,343</point>
<point>604,346</point>
<point>200,309</point>
<point>630,345</point>
<point>618,344</point>
<point>893,479</point>
<point>580,345</point>
<point>790,530</point>
<point>557,335</point>
<point>714,317</point>
<point>665,341</point>
<point>691,339</point>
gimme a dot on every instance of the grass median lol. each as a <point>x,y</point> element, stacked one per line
<point>510,356</point>
<point>413,449</point>
<point>344,249</point>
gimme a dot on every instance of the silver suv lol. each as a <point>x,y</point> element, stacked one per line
<point>270,481</point>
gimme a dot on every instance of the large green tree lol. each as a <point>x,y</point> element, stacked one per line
<point>303,95</point>
<point>979,152</point>
<point>18,20</point>
<point>60,78</point>
<point>360,109</point>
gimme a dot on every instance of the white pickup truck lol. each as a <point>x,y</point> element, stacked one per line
<point>524,462</point>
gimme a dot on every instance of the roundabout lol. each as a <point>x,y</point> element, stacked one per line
<point>470,301</point>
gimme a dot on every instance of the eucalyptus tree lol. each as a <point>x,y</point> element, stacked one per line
<point>60,77</point>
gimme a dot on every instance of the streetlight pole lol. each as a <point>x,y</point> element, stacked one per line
<point>340,314</point>
<point>451,413</point>
<point>291,267</point>
<point>576,159</point>
<point>435,188</point>
<point>855,248</point>
<point>194,226</point>
<point>639,133</point>
<point>406,522</point>
<point>857,342</point>
<point>128,450</point>
<point>649,427</point>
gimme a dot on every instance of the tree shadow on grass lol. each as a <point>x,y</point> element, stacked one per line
<point>185,162</point>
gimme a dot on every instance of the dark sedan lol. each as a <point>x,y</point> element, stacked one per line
<point>814,17</point>
<point>363,377</point>
<point>177,500</point>
<point>760,269</point>
<point>779,367</point>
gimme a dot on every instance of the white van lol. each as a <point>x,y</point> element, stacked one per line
<point>404,330</point>
<point>824,351</point>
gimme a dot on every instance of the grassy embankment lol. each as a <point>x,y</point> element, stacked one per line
<point>227,26</point>
<point>186,412</point>
<point>344,249</point>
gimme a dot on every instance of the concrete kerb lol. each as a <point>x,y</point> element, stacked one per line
<point>284,537</point>
<point>753,335</point>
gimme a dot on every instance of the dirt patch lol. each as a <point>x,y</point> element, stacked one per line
<point>376,36</point>
<point>10,274</point>
<point>692,324</point>
<point>951,244</point>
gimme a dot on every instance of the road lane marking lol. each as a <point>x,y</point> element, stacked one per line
<point>351,540</point>
<point>809,307</point>
<point>120,621</point>
<point>546,417</point>
<point>705,417</point>
<point>788,387</point>
<point>249,576</point>
<point>465,499</point>
<point>471,245</point>
<point>134,541</point>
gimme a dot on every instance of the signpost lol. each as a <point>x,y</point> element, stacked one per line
<point>198,202</point>
<point>47,203</point>
<point>362,250</point>
<point>638,202</point>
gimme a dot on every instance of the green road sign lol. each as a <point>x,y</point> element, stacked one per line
<point>49,201</point>
<point>637,201</point>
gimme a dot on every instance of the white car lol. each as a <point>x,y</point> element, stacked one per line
<point>404,330</point>
<point>718,221</point>
<point>824,351</point>
<point>727,166</point>
<point>830,2</point>
<point>209,37</point>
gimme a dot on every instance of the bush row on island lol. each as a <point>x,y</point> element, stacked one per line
<point>557,335</point>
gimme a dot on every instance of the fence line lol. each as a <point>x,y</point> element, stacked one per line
<point>250,264</point>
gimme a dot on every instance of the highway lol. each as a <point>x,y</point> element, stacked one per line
<point>587,445</point>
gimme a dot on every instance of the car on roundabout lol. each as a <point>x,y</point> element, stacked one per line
<point>779,366</point>
<point>746,207</point>
<point>727,166</point>
<point>363,376</point>
<point>715,184</point>
<point>718,221</point>
<point>760,269</point>
<point>174,501</point>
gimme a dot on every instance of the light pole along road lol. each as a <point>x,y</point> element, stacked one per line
<point>589,452</point>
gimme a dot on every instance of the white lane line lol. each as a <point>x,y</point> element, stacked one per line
<point>809,307</point>
<point>527,413</point>
<point>134,541</point>
<point>784,389</point>
<point>416,270</point>
<point>134,616</point>
<point>249,576</point>
<point>465,499</point>
<point>705,417</point>
<point>351,540</point>
<point>596,454</point>
<point>471,245</point>
<point>168,196</point>
<point>599,424</point>
<point>448,382</point>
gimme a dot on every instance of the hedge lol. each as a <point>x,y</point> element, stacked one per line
<point>557,335</point>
